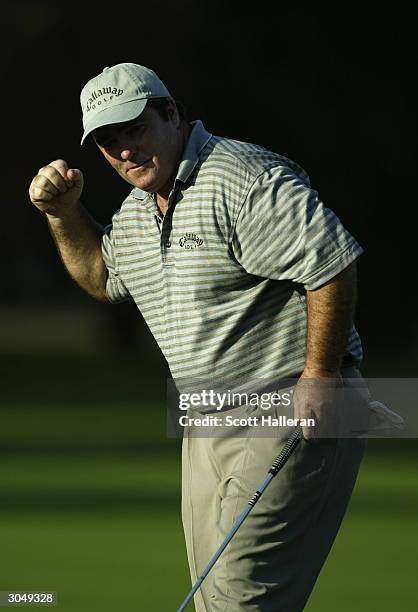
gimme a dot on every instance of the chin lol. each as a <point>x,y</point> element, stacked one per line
<point>146,183</point>
<point>145,186</point>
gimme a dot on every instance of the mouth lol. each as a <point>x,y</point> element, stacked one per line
<point>138,166</point>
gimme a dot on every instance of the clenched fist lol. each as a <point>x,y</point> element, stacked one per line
<point>56,189</point>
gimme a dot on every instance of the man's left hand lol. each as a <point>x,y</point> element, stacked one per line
<point>319,396</point>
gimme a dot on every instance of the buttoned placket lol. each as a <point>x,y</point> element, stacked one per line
<point>165,226</point>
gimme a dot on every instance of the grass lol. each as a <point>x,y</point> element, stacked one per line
<point>98,561</point>
<point>78,526</point>
<point>372,565</point>
<point>90,500</point>
<point>136,561</point>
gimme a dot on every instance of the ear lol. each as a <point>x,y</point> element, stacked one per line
<point>173,112</point>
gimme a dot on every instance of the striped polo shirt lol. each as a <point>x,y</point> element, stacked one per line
<point>221,279</point>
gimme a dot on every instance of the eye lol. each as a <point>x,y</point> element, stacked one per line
<point>136,129</point>
<point>106,142</point>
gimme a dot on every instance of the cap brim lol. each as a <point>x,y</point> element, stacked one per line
<point>117,114</point>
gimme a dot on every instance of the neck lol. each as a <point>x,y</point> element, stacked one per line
<point>162,195</point>
<point>162,203</point>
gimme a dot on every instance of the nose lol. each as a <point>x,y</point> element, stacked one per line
<point>127,153</point>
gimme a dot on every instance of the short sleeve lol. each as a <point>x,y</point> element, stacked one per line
<point>115,289</point>
<point>284,232</point>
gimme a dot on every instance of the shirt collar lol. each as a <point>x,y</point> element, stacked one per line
<point>198,139</point>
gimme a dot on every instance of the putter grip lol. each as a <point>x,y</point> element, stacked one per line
<point>286,451</point>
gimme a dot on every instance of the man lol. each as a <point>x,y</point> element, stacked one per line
<point>241,273</point>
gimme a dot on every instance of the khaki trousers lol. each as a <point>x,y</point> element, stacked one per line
<point>273,561</point>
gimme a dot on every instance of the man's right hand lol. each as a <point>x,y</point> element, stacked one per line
<point>56,189</point>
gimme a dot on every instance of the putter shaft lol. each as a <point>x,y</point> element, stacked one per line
<point>277,465</point>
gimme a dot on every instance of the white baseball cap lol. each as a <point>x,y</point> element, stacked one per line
<point>119,93</point>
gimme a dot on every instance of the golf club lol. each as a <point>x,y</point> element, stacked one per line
<point>277,465</point>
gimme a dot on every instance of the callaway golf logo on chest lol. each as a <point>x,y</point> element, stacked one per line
<point>190,241</point>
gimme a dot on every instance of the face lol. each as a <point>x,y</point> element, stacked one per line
<point>146,151</point>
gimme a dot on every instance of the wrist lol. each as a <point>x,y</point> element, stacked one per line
<point>64,215</point>
<point>315,371</point>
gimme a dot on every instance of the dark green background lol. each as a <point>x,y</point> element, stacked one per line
<point>89,482</point>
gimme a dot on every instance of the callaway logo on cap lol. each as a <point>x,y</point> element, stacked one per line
<point>118,94</point>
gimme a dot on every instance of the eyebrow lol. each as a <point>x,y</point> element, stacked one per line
<point>138,121</point>
<point>100,138</point>
<point>105,135</point>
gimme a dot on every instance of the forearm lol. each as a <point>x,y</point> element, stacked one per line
<point>78,240</point>
<point>330,312</point>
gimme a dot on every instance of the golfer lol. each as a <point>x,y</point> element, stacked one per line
<point>241,273</point>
